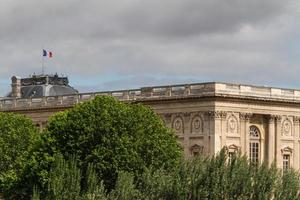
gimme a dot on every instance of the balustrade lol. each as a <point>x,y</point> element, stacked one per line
<point>158,92</point>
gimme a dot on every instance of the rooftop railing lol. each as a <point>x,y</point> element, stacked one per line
<point>158,92</point>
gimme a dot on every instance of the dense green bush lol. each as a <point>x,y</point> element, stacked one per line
<point>64,184</point>
<point>201,178</point>
<point>18,135</point>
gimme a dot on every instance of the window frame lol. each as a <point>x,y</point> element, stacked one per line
<point>254,144</point>
<point>287,151</point>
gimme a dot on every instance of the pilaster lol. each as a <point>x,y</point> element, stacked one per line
<point>245,124</point>
<point>223,132</point>
<point>168,120</point>
<point>271,139</point>
<point>278,156</point>
<point>215,130</point>
<point>296,155</point>
<point>186,138</point>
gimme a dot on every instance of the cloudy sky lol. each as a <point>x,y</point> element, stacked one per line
<point>110,44</point>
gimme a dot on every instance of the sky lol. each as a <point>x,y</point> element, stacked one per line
<point>111,45</point>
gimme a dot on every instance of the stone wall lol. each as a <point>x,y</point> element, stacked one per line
<point>205,117</point>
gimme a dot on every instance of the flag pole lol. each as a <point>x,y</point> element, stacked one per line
<point>43,65</point>
<point>43,60</point>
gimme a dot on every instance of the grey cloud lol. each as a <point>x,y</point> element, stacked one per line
<point>80,19</point>
<point>171,39</point>
<point>193,17</point>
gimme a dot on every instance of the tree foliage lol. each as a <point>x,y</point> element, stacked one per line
<point>18,135</point>
<point>112,135</point>
<point>200,178</point>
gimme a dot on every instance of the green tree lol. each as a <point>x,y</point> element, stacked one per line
<point>125,188</point>
<point>211,178</point>
<point>112,135</point>
<point>64,182</point>
<point>288,186</point>
<point>18,135</point>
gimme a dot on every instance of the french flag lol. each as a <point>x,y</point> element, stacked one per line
<point>47,53</point>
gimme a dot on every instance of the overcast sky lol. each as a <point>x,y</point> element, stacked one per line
<point>110,44</point>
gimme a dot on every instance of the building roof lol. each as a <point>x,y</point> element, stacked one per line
<point>44,85</point>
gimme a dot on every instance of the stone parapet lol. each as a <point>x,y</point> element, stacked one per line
<point>212,89</point>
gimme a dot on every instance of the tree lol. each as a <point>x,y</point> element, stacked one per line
<point>64,184</point>
<point>18,135</point>
<point>210,178</point>
<point>112,135</point>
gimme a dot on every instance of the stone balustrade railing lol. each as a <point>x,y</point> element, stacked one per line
<point>159,92</point>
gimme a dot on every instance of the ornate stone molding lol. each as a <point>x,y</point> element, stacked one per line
<point>178,115</point>
<point>271,119</point>
<point>187,116</point>
<point>178,124</point>
<point>286,128</point>
<point>197,124</point>
<point>168,117</point>
<point>296,120</point>
<point>232,124</point>
<point>217,114</point>
<point>245,116</point>
<point>287,150</point>
<point>197,149</point>
<point>278,118</point>
<point>233,148</point>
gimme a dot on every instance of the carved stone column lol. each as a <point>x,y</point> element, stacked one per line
<point>215,130</point>
<point>271,139</point>
<point>187,122</point>
<point>223,131</point>
<point>186,139</point>
<point>278,156</point>
<point>296,163</point>
<point>245,121</point>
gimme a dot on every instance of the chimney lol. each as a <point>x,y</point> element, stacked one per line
<point>16,87</point>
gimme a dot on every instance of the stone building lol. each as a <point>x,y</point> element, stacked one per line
<point>262,122</point>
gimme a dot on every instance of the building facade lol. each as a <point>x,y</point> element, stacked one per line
<point>261,122</point>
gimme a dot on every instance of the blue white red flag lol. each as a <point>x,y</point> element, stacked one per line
<point>47,53</point>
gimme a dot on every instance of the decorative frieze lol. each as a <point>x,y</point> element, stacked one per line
<point>271,119</point>
<point>179,121</point>
<point>217,114</point>
<point>187,117</point>
<point>278,118</point>
<point>296,120</point>
<point>245,116</point>
<point>168,118</point>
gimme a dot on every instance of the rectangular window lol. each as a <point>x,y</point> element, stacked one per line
<point>286,162</point>
<point>230,156</point>
<point>197,150</point>
<point>254,152</point>
<point>196,153</point>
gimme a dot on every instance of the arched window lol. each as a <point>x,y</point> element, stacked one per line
<point>254,150</point>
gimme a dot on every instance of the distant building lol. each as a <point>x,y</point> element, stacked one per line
<point>262,122</point>
<point>40,86</point>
